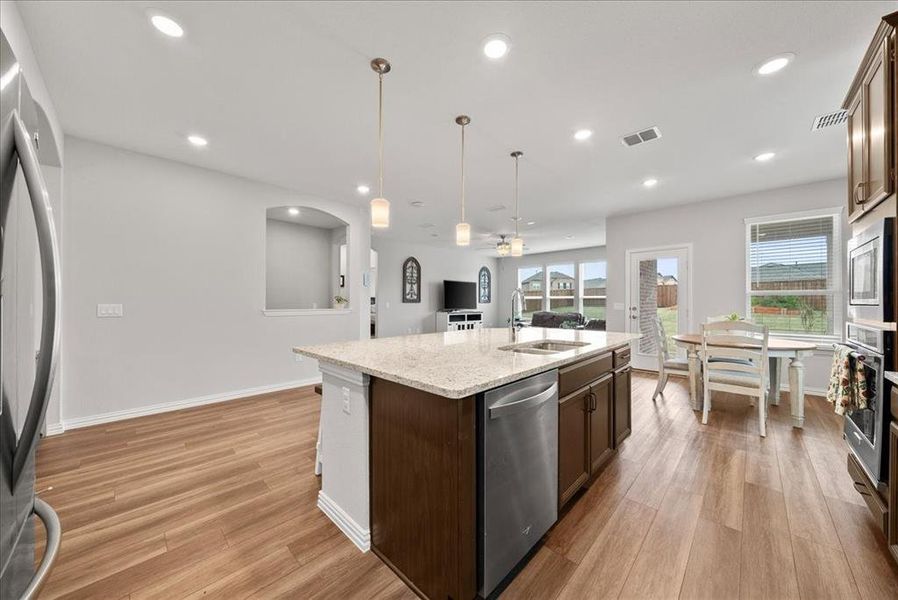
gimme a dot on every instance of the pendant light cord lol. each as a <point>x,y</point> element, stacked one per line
<point>517,216</point>
<point>462,173</point>
<point>380,132</point>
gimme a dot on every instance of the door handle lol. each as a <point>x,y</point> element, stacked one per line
<point>54,535</point>
<point>510,408</point>
<point>15,142</point>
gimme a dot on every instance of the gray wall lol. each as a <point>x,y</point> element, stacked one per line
<point>299,270</point>
<point>437,264</point>
<point>717,231</point>
<point>508,270</point>
<point>183,249</point>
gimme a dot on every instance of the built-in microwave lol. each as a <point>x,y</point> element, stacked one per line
<point>870,295</point>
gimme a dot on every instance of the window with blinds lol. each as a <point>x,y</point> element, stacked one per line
<point>794,274</point>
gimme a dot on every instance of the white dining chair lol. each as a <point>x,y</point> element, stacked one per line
<point>666,364</point>
<point>734,359</point>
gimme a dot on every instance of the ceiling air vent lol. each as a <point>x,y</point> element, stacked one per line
<point>496,208</point>
<point>829,119</point>
<point>640,137</point>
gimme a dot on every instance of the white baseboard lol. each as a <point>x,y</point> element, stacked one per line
<point>55,429</point>
<point>357,534</point>
<point>178,405</point>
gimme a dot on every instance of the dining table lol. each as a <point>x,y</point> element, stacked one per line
<point>778,349</point>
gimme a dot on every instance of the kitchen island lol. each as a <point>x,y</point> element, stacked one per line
<point>401,433</point>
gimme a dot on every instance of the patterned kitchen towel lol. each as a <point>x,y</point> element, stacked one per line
<point>847,382</point>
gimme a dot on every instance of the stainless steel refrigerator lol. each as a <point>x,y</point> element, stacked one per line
<point>29,323</point>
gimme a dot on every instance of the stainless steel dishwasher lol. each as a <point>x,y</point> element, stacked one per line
<point>517,474</point>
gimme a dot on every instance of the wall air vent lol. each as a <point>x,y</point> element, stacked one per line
<point>496,208</point>
<point>829,119</point>
<point>640,137</point>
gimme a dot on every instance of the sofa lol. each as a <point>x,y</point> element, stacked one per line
<point>573,320</point>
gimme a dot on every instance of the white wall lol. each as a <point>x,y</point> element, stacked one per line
<point>508,270</point>
<point>716,229</point>
<point>459,264</point>
<point>299,271</point>
<point>183,249</point>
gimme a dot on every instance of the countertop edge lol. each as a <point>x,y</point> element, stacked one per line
<point>469,391</point>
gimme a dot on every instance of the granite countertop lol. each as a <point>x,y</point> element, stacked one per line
<point>457,364</point>
<point>891,376</point>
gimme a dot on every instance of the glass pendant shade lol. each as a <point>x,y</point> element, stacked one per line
<point>462,234</point>
<point>503,247</point>
<point>380,213</point>
<point>517,246</point>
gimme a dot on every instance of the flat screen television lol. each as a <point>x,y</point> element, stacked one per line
<point>459,295</point>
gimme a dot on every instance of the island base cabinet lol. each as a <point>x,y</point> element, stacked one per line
<point>424,488</point>
<point>573,443</point>
<point>601,430</point>
<point>622,404</point>
<point>585,435</point>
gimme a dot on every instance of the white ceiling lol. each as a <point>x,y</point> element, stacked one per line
<point>284,93</point>
<point>309,217</point>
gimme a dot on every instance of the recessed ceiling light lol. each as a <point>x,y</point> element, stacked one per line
<point>765,156</point>
<point>531,223</point>
<point>774,64</point>
<point>650,182</point>
<point>167,26</point>
<point>293,211</point>
<point>568,237</point>
<point>197,140</point>
<point>582,134</point>
<point>363,189</point>
<point>496,46</point>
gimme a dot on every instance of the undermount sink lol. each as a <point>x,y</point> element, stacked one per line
<point>543,347</point>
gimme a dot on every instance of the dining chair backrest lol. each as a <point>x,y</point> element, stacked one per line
<point>740,348</point>
<point>661,343</point>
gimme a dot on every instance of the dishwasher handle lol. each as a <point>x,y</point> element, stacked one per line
<point>503,410</point>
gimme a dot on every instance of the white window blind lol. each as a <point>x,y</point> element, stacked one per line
<point>794,279</point>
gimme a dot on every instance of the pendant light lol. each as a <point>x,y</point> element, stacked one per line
<point>463,229</point>
<point>517,243</point>
<point>380,206</point>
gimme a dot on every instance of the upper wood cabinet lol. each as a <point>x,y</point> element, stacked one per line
<point>870,125</point>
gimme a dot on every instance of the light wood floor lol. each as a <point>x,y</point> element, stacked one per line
<point>219,502</point>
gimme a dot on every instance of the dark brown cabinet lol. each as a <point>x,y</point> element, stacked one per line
<point>573,443</point>
<point>622,404</point>
<point>601,423</point>
<point>593,417</point>
<point>869,103</point>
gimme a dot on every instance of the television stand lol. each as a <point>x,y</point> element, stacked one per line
<point>459,320</point>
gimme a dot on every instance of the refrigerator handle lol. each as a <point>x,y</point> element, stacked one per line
<point>17,141</point>
<point>54,537</point>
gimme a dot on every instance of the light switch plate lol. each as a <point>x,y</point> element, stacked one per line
<point>109,311</point>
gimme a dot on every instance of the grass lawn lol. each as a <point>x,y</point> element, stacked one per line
<point>792,323</point>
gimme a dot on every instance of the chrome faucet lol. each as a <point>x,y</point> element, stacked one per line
<point>517,309</point>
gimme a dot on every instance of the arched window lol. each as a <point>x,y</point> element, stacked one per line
<point>485,286</point>
<point>411,280</point>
